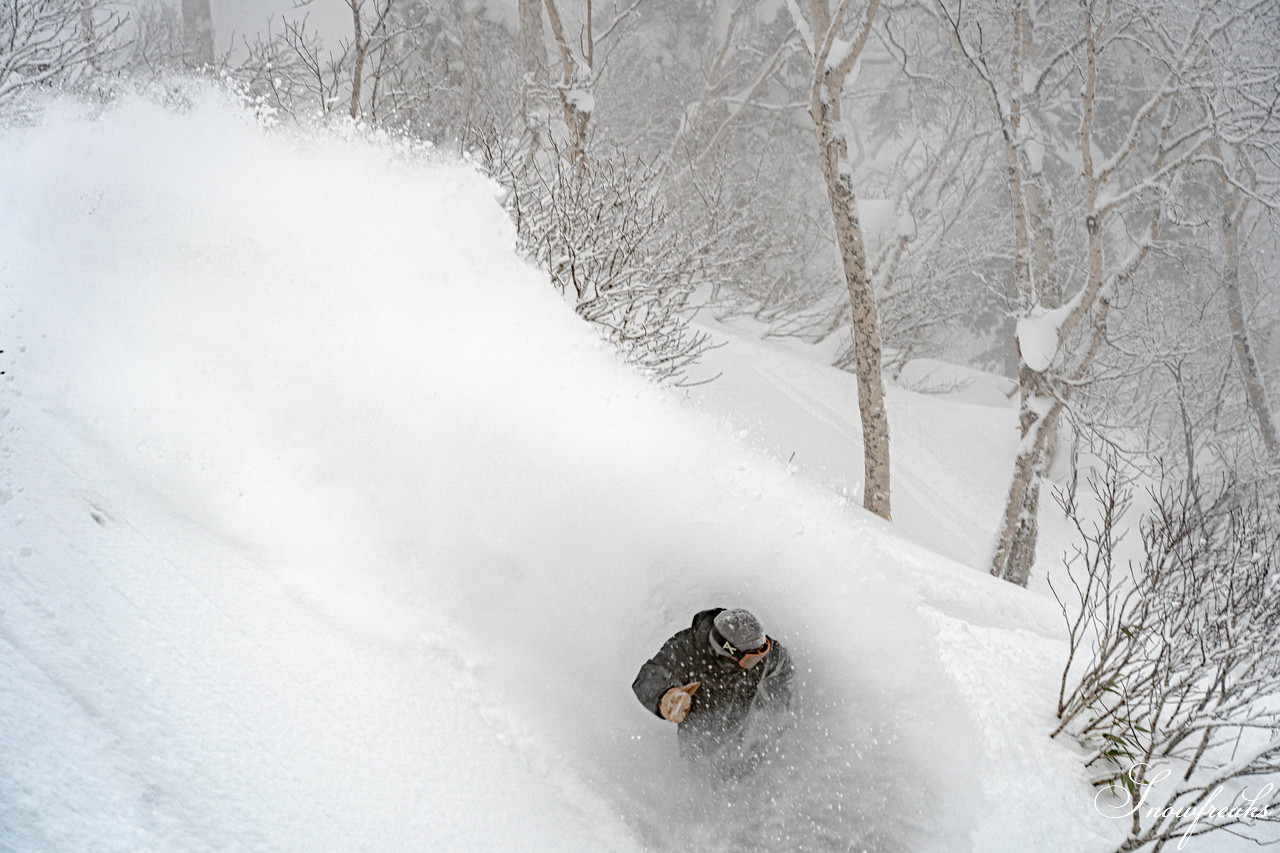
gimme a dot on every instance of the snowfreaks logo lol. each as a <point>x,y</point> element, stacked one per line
<point>1243,808</point>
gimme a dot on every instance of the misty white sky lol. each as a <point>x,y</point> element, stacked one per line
<point>331,18</point>
<point>246,17</point>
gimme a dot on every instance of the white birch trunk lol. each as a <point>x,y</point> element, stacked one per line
<point>1019,531</point>
<point>576,119</point>
<point>832,154</point>
<point>833,159</point>
<point>362,44</point>
<point>533,55</point>
<point>1250,373</point>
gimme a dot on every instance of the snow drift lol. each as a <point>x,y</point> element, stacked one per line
<point>330,527</point>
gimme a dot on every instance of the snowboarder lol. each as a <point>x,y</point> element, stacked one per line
<point>724,682</point>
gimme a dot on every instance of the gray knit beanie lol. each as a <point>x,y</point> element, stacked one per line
<point>740,628</point>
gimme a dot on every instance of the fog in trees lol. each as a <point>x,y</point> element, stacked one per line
<point>1082,197</point>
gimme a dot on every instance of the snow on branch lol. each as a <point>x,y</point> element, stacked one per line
<point>1172,678</point>
<point>55,42</point>
<point>802,27</point>
<point>1038,334</point>
<point>628,263</point>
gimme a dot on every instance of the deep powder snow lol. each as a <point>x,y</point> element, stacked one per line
<point>329,527</point>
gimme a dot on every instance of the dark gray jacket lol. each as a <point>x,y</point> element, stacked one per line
<point>729,697</point>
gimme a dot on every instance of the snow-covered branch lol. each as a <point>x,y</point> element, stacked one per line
<point>55,42</point>
<point>1173,669</point>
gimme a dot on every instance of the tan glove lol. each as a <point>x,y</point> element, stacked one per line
<point>676,702</point>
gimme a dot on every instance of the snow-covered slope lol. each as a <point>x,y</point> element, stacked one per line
<point>950,451</point>
<point>163,692</point>
<point>329,527</point>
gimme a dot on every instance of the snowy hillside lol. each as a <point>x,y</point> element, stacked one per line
<point>328,526</point>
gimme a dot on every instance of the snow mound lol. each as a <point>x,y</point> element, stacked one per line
<point>958,383</point>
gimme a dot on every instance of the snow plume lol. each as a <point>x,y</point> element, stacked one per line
<point>394,482</point>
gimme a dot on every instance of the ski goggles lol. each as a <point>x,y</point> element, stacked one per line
<point>746,658</point>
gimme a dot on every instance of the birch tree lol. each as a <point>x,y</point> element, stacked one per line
<point>1235,209</point>
<point>364,36</point>
<point>833,59</point>
<point>580,66</point>
<point>1014,97</point>
<point>1132,145</point>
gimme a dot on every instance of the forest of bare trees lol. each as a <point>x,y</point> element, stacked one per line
<point>1081,196</point>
